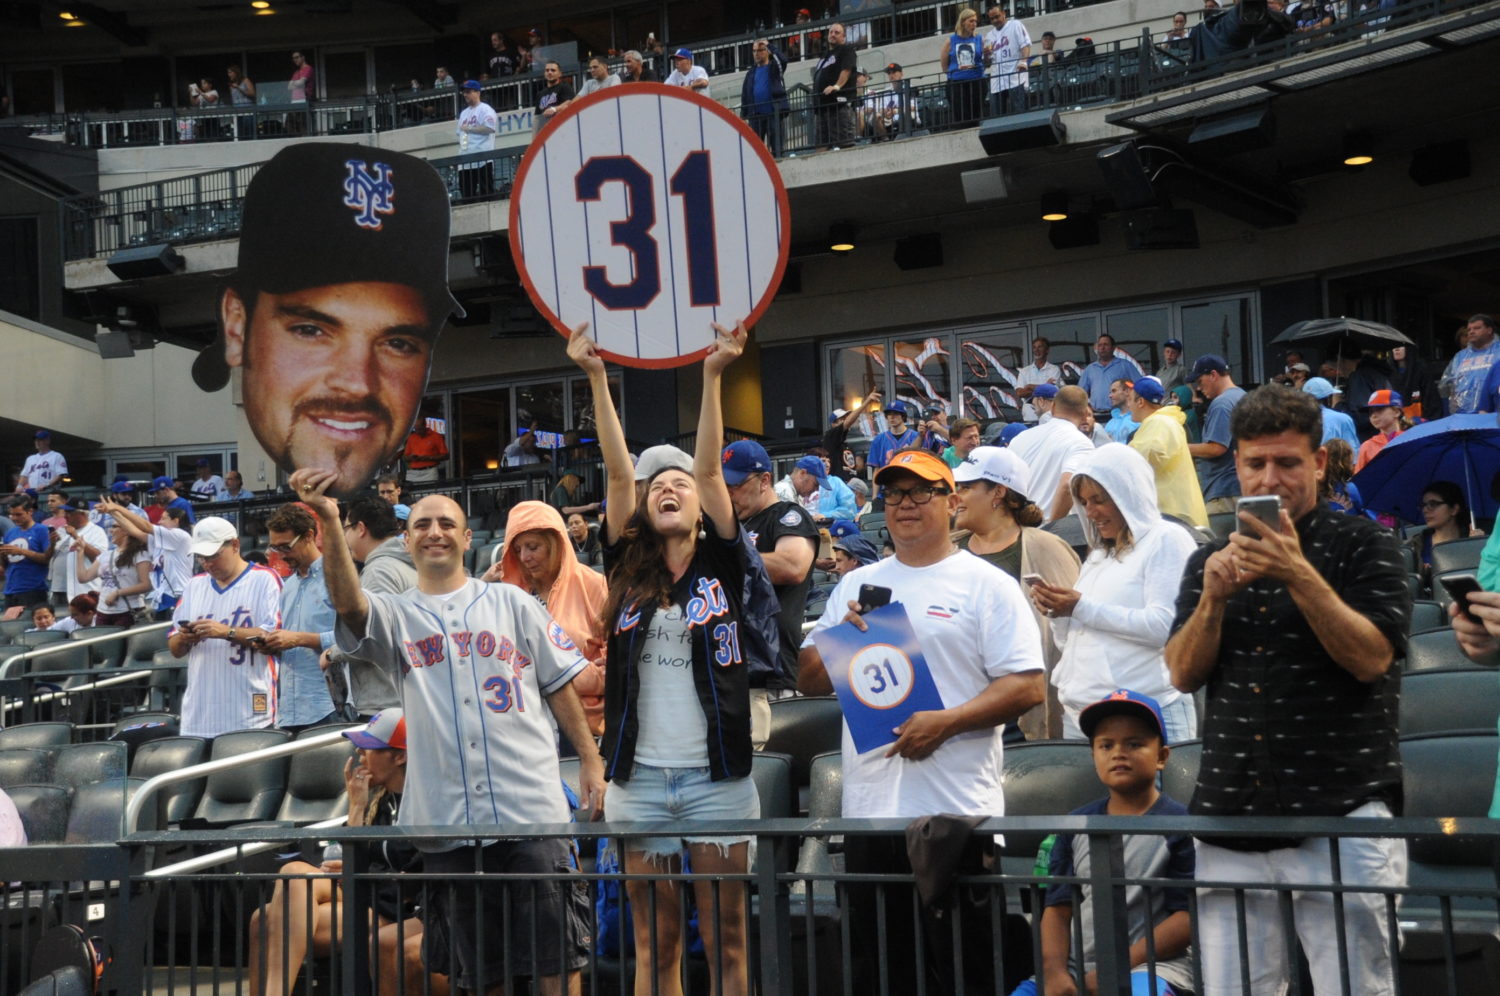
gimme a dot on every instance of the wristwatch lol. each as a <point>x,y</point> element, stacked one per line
<point>231,632</point>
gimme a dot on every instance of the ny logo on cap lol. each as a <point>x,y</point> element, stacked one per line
<point>369,195</point>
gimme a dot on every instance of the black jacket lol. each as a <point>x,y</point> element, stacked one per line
<point>712,591</point>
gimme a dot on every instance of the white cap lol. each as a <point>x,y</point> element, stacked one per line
<point>658,458</point>
<point>212,533</point>
<point>996,465</point>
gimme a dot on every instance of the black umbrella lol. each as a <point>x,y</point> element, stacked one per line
<point>1366,333</point>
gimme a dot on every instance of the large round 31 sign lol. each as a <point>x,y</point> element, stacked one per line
<point>649,212</point>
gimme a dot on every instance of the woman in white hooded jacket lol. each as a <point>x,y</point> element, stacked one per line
<point>1112,627</point>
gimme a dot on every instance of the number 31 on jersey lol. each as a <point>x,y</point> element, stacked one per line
<point>649,212</point>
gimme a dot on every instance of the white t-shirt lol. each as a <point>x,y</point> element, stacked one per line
<point>41,469</point>
<point>1005,51</point>
<point>115,578</point>
<point>673,730</point>
<point>481,115</point>
<point>207,490</point>
<point>1048,450</point>
<point>692,76</point>
<point>1030,376</point>
<point>973,625</point>
<point>170,550</point>
<point>92,536</point>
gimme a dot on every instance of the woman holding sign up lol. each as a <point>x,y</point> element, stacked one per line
<point>676,696</point>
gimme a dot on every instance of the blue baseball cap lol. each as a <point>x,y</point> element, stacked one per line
<point>744,457</point>
<point>471,85</point>
<point>898,408</point>
<point>683,53</point>
<point>1045,391</point>
<point>43,434</point>
<point>161,482</point>
<point>1011,431</point>
<point>1319,387</point>
<point>837,414</point>
<point>839,528</point>
<point>1206,364</point>
<point>1174,343</point>
<point>1122,702</point>
<point>1150,388</point>
<point>121,487</point>
<point>859,548</point>
<point>814,466</point>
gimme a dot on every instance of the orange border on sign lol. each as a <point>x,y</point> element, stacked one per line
<point>783,206</point>
<point>854,687</point>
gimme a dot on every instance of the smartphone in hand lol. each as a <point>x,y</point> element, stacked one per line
<point>1459,588</point>
<point>873,596</point>
<point>1266,508</point>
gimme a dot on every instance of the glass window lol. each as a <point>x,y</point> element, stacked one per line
<point>137,470</point>
<point>582,419</point>
<point>343,75</point>
<point>922,373</point>
<point>988,362</point>
<point>1072,341</point>
<point>542,407</point>
<point>854,372</point>
<point>1219,327</point>
<point>1139,334</point>
<point>483,429</point>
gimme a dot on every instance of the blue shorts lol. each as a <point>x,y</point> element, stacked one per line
<point>679,794</point>
<point>1140,985</point>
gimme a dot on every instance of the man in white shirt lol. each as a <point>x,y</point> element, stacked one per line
<point>1038,371</point>
<point>207,485</point>
<point>981,643</point>
<point>1053,448</point>
<point>684,73</point>
<point>1008,47</point>
<point>78,532</point>
<point>42,467</point>
<point>477,123</point>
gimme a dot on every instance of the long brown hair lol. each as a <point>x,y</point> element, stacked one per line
<point>641,575</point>
<point>132,546</point>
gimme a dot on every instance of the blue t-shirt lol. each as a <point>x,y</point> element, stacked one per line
<point>883,445</point>
<point>1489,395</point>
<point>1337,425</point>
<point>1217,475</point>
<point>965,57</point>
<point>22,574</point>
<point>186,506</point>
<point>1096,380</point>
<point>760,89</point>
<point>1470,371</point>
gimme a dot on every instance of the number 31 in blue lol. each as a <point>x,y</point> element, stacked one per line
<point>694,184</point>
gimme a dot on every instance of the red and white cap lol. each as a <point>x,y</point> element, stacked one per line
<point>386,731</point>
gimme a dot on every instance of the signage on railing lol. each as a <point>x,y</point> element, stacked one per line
<point>649,212</point>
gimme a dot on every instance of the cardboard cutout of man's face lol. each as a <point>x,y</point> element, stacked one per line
<point>333,376</point>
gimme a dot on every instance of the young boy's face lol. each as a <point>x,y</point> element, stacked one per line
<point>1128,753</point>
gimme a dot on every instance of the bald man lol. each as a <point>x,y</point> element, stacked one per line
<point>481,665</point>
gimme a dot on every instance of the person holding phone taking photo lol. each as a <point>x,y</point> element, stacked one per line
<point>1294,631</point>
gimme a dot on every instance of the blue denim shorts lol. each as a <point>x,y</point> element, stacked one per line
<point>675,795</point>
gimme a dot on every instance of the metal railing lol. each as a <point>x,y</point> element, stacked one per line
<point>178,932</point>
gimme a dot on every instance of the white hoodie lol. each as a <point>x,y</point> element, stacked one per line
<point>1115,636</point>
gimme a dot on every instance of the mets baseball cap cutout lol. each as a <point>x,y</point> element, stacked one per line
<point>371,215</point>
<point>1123,702</point>
<point>386,730</point>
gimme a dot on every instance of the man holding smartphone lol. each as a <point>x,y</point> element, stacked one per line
<point>1295,632</point>
<point>983,647</point>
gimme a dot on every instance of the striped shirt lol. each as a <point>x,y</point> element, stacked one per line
<point>229,687</point>
<point>1287,730</point>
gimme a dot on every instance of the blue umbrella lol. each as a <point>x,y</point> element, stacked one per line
<point>1464,449</point>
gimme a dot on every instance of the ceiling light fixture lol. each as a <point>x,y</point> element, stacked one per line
<point>1359,149</point>
<point>841,237</point>
<point>1055,206</point>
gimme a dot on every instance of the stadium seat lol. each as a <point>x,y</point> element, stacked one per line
<point>43,809</point>
<point>315,780</point>
<point>1415,586</point>
<point>1458,555</point>
<point>1437,649</point>
<point>1221,524</point>
<point>1427,616</point>
<point>11,628</point>
<point>176,802</point>
<point>773,781</point>
<point>68,658</point>
<point>40,639</point>
<point>141,647</point>
<point>248,793</point>
<point>1461,700</point>
<point>77,765</point>
<point>37,735</point>
<point>1180,777</point>
<point>1450,775</point>
<point>871,522</point>
<point>97,814</point>
<point>108,653</point>
<point>1046,778</point>
<point>825,796</point>
<point>168,719</point>
<point>69,980</point>
<point>24,765</point>
<point>804,727</point>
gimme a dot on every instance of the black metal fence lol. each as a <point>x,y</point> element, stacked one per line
<point>813,926</point>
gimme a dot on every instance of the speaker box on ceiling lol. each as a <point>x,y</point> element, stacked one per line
<point>145,261</point>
